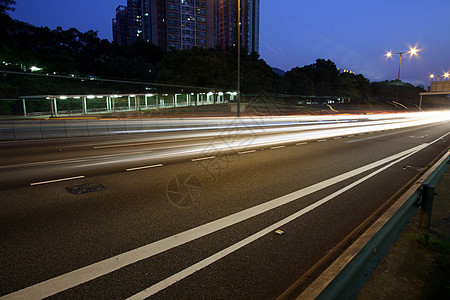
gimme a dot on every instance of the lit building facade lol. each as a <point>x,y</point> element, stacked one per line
<point>250,25</point>
<point>183,24</point>
<point>227,23</point>
<point>120,25</point>
<point>138,20</point>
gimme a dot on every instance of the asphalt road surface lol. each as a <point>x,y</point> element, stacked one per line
<point>222,214</point>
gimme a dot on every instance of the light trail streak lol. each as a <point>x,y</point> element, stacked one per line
<point>225,145</point>
<point>85,274</point>
<point>278,125</point>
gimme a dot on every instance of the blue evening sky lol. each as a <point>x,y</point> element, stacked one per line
<point>355,34</point>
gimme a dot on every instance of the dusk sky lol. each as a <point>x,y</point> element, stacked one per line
<point>355,34</point>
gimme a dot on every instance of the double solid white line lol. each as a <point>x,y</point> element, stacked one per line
<point>74,278</point>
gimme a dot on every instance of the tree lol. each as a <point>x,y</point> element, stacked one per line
<point>5,6</point>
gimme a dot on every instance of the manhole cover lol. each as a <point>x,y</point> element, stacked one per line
<point>184,190</point>
<point>86,188</point>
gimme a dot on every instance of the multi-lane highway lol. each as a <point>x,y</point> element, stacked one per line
<point>234,212</point>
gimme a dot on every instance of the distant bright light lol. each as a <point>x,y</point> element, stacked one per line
<point>446,74</point>
<point>35,69</point>
<point>63,97</point>
<point>91,97</point>
<point>389,54</point>
<point>431,75</point>
<point>413,51</point>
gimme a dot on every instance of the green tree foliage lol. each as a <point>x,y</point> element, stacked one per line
<point>215,68</point>
<point>6,6</point>
<point>71,52</point>
<point>196,67</point>
<point>324,79</point>
<point>387,90</point>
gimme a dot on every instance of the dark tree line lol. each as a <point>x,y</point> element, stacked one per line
<point>74,53</point>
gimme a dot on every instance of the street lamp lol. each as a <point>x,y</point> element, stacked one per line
<point>445,75</point>
<point>239,61</point>
<point>412,52</point>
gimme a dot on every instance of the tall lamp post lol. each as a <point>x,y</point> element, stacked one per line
<point>412,52</point>
<point>239,61</point>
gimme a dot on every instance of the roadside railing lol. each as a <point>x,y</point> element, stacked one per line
<point>344,278</point>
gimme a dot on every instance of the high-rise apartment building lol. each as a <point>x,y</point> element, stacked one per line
<point>250,25</point>
<point>227,22</point>
<point>183,24</point>
<point>138,14</point>
<point>120,25</point>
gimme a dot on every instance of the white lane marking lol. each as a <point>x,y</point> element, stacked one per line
<point>151,143</point>
<point>338,137</point>
<point>221,254</point>
<point>351,135</point>
<point>144,167</point>
<point>74,278</point>
<point>302,143</point>
<point>203,158</point>
<point>73,160</point>
<point>277,147</point>
<point>323,140</point>
<point>386,134</point>
<point>246,152</point>
<point>56,180</point>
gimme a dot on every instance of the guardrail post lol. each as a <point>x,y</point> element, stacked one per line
<point>426,206</point>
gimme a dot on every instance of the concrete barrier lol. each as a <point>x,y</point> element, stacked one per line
<point>133,126</point>
<point>97,127</point>
<point>27,130</point>
<point>59,128</point>
<point>116,127</point>
<point>77,128</point>
<point>6,131</point>
<point>53,129</point>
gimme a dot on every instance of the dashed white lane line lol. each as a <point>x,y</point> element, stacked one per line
<point>203,158</point>
<point>323,140</point>
<point>144,167</point>
<point>221,254</point>
<point>150,143</point>
<point>246,152</point>
<point>338,137</point>
<point>76,277</point>
<point>57,180</point>
<point>276,147</point>
<point>302,143</point>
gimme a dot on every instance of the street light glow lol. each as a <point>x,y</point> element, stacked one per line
<point>413,51</point>
<point>446,75</point>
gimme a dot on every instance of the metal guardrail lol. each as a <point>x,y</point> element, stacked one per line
<point>344,278</point>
